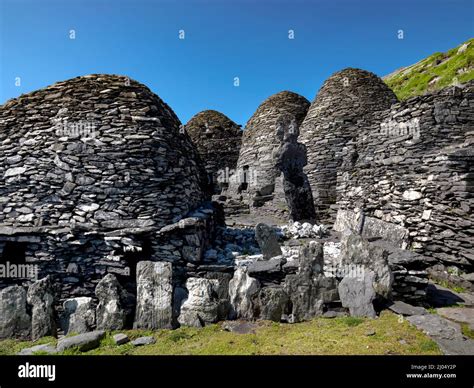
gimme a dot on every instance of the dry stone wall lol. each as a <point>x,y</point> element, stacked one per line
<point>95,176</point>
<point>348,99</point>
<point>257,171</point>
<point>218,140</point>
<point>413,168</point>
<point>100,150</point>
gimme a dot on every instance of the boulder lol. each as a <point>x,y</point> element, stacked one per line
<point>357,294</point>
<point>240,327</point>
<point>121,339</point>
<point>222,291</point>
<point>356,250</point>
<point>267,240</point>
<point>79,315</point>
<point>14,319</point>
<point>273,302</point>
<point>308,289</point>
<point>202,304</point>
<point>45,348</point>
<point>243,291</point>
<point>154,308</point>
<point>144,341</point>
<point>403,308</point>
<point>83,342</point>
<point>110,313</point>
<point>40,296</point>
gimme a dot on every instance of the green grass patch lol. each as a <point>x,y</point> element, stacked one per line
<point>446,284</point>
<point>323,336</point>
<point>434,72</point>
<point>467,331</point>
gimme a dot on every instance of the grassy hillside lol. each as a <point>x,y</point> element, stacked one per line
<point>435,72</point>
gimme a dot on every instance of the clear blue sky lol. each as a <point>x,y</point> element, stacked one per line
<point>224,39</point>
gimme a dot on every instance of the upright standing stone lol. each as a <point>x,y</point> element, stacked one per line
<point>309,289</point>
<point>110,313</point>
<point>202,305</point>
<point>273,302</point>
<point>358,294</point>
<point>40,296</point>
<point>243,293</point>
<point>356,250</point>
<point>290,159</point>
<point>267,240</point>
<point>79,315</point>
<point>154,295</point>
<point>14,320</point>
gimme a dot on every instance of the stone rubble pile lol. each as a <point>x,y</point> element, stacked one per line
<point>296,230</point>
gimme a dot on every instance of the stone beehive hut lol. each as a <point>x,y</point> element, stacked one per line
<point>348,98</point>
<point>257,173</point>
<point>217,139</point>
<point>90,168</point>
<point>94,150</point>
<point>413,176</point>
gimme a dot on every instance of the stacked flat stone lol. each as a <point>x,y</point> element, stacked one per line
<point>93,172</point>
<point>414,171</point>
<point>348,97</point>
<point>260,143</point>
<point>97,149</point>
<point>217,139</point>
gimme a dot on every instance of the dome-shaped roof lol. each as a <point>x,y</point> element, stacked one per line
<point>351,93</point>
<point>282,103</point>
<point>349,98</point>
<point>260,140</point>
<point>217,139</point>
<point>98,149</point>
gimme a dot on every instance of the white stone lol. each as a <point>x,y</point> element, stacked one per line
<point>14,171</point>
<point>242,289</point>
<point>25,218</point>
<point>88,207</point>
<point>426,214</point>
<point>411,195</point>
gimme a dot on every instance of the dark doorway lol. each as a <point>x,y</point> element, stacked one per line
<point>244,181</point>
<point>14,253</point>
<point>132,257</point>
